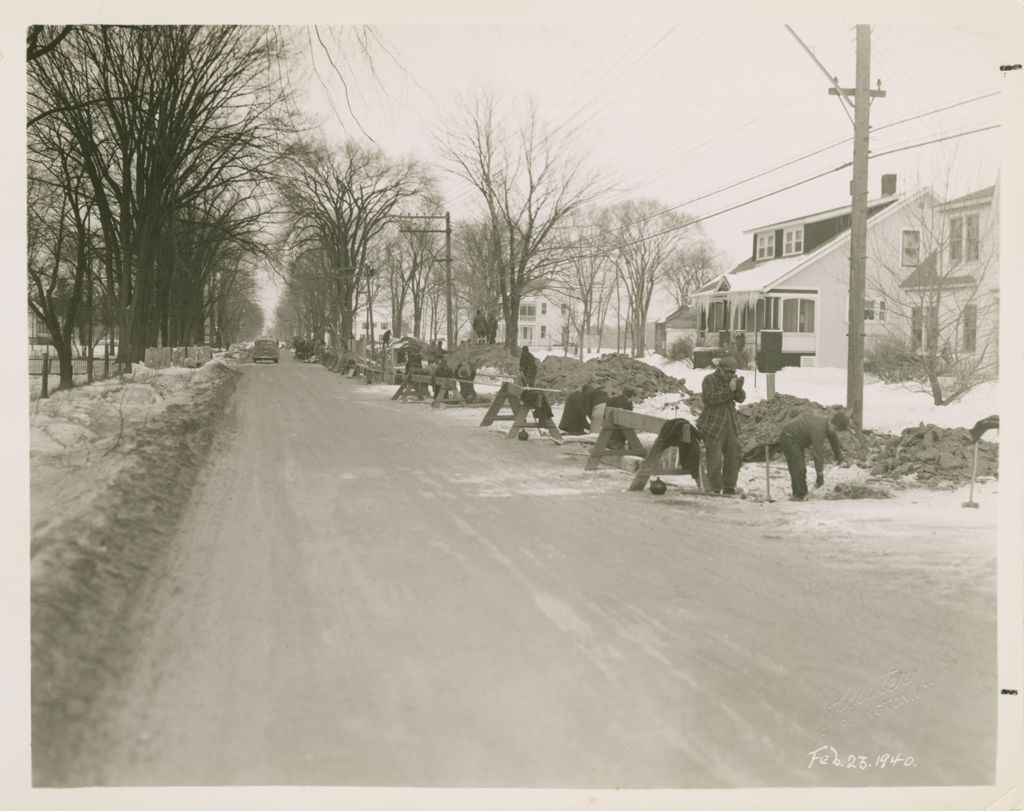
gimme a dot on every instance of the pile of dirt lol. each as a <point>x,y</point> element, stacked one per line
<point>935,455</point>
<point>851,490</point>
<point>495,356</point>
<point>612,372</point>
<point>761,424</point>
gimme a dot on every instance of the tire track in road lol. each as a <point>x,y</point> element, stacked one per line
<point>345,608</point>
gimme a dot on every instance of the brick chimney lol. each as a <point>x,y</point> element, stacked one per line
<point>888,185</point>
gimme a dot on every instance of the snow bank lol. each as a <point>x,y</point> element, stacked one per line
<point>112,465</point>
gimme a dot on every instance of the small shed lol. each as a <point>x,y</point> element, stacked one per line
<point>680,323</point>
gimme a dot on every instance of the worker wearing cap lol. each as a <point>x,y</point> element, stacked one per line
<point>810,430</point>
<point>721,390</point>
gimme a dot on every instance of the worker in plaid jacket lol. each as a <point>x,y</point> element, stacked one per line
<point>721,390</point>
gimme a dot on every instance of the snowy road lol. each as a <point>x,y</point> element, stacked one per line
<point>372,593</point>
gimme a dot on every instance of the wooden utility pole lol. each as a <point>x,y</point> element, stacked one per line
<point>862,95</point>
<point>447,231</point>
<point>448,279</point>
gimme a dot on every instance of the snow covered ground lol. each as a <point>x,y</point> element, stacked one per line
<point>887,407</point>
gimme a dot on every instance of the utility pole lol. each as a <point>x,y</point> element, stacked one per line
<point>447,231</point>
<point>448,279</point>
<point>862,95</point>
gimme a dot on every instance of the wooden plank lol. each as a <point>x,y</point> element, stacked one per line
<point>645,423</point>
<point>518,390</point>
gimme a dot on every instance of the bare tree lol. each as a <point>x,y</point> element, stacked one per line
<point>60,248</point>
<point>934,297</point>
<point>693,265</point>
<point>586,277</point>
<point>157,117</point>
<point>337,203</point>
<point>529,180</point>
<point>475,268</point>
<point>644,240</point>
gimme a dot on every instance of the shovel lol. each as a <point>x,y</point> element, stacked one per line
<point>974,472</point>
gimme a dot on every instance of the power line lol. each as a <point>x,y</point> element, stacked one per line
<point>794,185</point>
<point>803,157</point>
<point>603,91</point>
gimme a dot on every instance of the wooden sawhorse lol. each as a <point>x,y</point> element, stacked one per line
<point>619,419</point>
<point>513,394</point>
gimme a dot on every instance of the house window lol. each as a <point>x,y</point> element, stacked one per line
<point>528,311</point>
<point>798,315</point>
<point>874,310</point>
<point>565,309</point>
<point>718,316</point>
<point>767,313</point>
<point>964,238</point>
<point>543,310</point>
<point>971,237</point>
<point>526,333</point>
<point>543,332</point>
<point>766,245</point>
<point>911,249</point>
<point>970,320</point>
<point>793,241</point>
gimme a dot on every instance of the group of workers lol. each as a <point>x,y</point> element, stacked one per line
<point>717,424</point>
<point>721,391</point>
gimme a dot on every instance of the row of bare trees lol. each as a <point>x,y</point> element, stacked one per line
<point>357,232</point>
<point>540,228</point>
<point>149,152</point>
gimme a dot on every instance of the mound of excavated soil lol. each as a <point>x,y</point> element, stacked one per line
<point>495,356</point>
<point>610,371</point>
<point>935,455</point>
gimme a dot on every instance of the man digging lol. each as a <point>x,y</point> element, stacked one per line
<point>810,431</point>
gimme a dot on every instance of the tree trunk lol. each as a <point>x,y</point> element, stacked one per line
<point>511,307</point>
<point>65,358</point>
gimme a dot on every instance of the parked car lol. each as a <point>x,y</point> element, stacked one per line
<point>265,349</point>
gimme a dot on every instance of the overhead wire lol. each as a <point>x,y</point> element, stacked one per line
<point>758,198</point>
<point>803,157</point>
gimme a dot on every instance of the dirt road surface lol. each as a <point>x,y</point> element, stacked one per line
<point>366,592</point>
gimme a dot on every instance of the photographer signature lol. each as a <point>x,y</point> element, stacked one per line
<point>894,689</point>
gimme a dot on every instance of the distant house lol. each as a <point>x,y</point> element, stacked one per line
<point>681,323</point>
<point>797,280</point>
<point>381,324</point>
<point>540,319</point>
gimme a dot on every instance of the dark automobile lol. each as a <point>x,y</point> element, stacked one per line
<point>265,349</point>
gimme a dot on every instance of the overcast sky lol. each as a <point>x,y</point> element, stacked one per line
<point>678,111</point>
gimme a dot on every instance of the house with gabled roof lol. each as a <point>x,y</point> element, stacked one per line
<point>950,298</point>
<point>797,280</point>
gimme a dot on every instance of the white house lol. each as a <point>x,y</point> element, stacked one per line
<point>797,277</point>
<point>541,318</point>
<point>951,296</point>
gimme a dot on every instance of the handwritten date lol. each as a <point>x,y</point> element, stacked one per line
<point>828,756</point>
